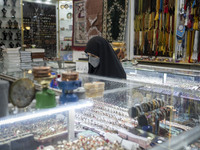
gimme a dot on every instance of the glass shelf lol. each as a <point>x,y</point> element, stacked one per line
<point>2,6</point>
<point>9,18</point>
<point>67,20</point>
<point>9,29</point>
<point>10,40</point>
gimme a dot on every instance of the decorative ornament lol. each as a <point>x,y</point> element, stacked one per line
<point>9,24</point>
<point>11,45</point>
<point>4,11</point>
<point>13,12</point>
<point>69,16</point>
<point>14,3</point>
<point>4,35</point>
<point>10,34</point>
<point>66,6</point>
<point>0,24</point>
<point>5,2</point>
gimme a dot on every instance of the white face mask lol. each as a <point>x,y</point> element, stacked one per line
<point>94,61</point>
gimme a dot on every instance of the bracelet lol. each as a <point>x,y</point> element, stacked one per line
<point>139,110</point>
<point>144,107</point>
<point>154,104</point>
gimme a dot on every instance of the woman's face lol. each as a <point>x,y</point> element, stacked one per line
<point>93,60</point>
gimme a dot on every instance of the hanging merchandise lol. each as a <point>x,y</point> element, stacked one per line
<point>180,41</point>
<point>195,48</point>
<point>79,25</point>
<point>199,47</point>
<point>154,27</point>
<point>181,7</point>
<point>94,10</point>
<point>114,19</point>
<point>190,42</point>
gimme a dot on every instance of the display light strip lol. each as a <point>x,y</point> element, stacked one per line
<point>46,112</point>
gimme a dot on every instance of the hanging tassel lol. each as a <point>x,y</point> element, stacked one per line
<point>192,8</point>
<point>167,41</point>
<point>157,16</point>
<point>195,48</point>
<point>154,40</point>
<point>166,10</point>
<point>191,45</point>
<point>146,44</point>
<point>187,16</point>
<point>181,7</point>
<point>161,6</point>
<point>140,38</point>
<point>189,24</point>
<point>156,45</point>
<point>185,7</point>
<point>146,22</point>
<point>188,45</point>
<point>194,4</point>
<point>157,10</point>
<point>199,49</point>
<point>171,45</point>
<point>167,22</point>
<point>195,25</point>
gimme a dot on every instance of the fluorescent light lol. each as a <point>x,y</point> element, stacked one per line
<point>46,112</point>
<point>47,2</point>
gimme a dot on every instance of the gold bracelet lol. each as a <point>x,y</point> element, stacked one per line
<point>154,104</point>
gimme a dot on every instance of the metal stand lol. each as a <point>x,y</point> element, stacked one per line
<point>71,123</point>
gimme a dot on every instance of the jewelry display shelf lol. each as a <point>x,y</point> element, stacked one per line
<point>30,116</point>
<point>110,112</point>
<point>9,7</point>
<point>51,137</point>
<point>64,27</point>
<point>54,136</point>
<point>5,18</point>
<point>169,77</point>
<point>9,40</point>
<point>170,64</point>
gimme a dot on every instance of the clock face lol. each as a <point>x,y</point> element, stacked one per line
<point>22,92</point>
<point>137,96</point>
<point>181,27</point>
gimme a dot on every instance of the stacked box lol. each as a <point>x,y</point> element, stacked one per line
<point>11,60</point>
<point>94,89</point>
<point>25,60</point>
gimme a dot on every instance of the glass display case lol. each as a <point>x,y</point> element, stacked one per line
<point>130,115</point>
<point>29,130</point>
<point>183,78</point>
<point>65,22</point>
